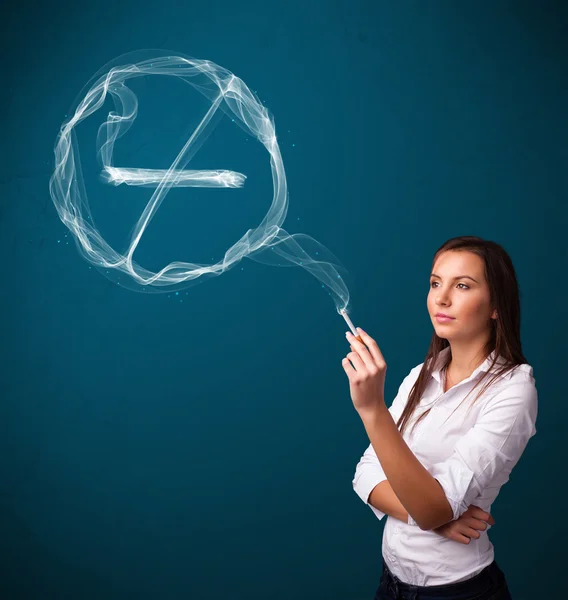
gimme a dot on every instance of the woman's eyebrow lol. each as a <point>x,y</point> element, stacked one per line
<point>458,277</point>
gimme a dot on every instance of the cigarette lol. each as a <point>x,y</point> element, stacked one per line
<point>350,323</point>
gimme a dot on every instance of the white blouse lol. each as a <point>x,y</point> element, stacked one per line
<point>470,453</point>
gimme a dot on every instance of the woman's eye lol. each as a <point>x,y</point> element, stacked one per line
<point>464,285</point>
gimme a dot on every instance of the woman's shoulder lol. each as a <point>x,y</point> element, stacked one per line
<point>412,375</point>
<point>516,388</point>
<point>521,376</point>
<point>522,372</point>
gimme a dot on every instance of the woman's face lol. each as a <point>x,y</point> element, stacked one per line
<point>460,291</point>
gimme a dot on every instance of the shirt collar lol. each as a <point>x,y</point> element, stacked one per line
<point>483,367</point>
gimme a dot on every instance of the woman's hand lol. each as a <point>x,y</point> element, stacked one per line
<point>366,374</point>
<point>468,526</point>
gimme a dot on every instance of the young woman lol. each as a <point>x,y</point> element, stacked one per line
<point>440,454</point>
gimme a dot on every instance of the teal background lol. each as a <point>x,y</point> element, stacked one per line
<point>204,445</point>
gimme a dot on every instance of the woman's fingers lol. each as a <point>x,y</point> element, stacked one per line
<point>468,526</point>
<point>479,513</point>
<point>478,524</point>
<point>453,532</point>
<point>459,536</point>
<point>473,533</point>
<point>373,347</point>
<point>360,349</point>
<point>356,360</point>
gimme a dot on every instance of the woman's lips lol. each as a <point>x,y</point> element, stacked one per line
<point>444,319</point>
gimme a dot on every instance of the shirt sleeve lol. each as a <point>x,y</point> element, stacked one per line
<point>485,456</point>
<point>369,472</point>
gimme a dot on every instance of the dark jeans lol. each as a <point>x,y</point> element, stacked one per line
<point>490,584</point>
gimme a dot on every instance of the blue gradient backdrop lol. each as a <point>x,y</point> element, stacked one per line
<point>203,445</point>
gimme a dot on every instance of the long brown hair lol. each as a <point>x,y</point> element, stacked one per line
<point>505,336</point>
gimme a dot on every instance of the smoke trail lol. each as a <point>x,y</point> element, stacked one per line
<point>268,243</point>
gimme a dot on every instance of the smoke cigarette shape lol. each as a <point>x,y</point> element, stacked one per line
<point>183,178</point>
<point>269,243</point>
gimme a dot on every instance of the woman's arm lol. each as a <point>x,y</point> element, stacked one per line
<point>384,499</point>
<point>416,488</point>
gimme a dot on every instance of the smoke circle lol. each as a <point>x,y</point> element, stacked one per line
<point>227,93</point>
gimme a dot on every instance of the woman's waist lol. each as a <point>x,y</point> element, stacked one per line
<point>410,569</point>
<point>424,557</point>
